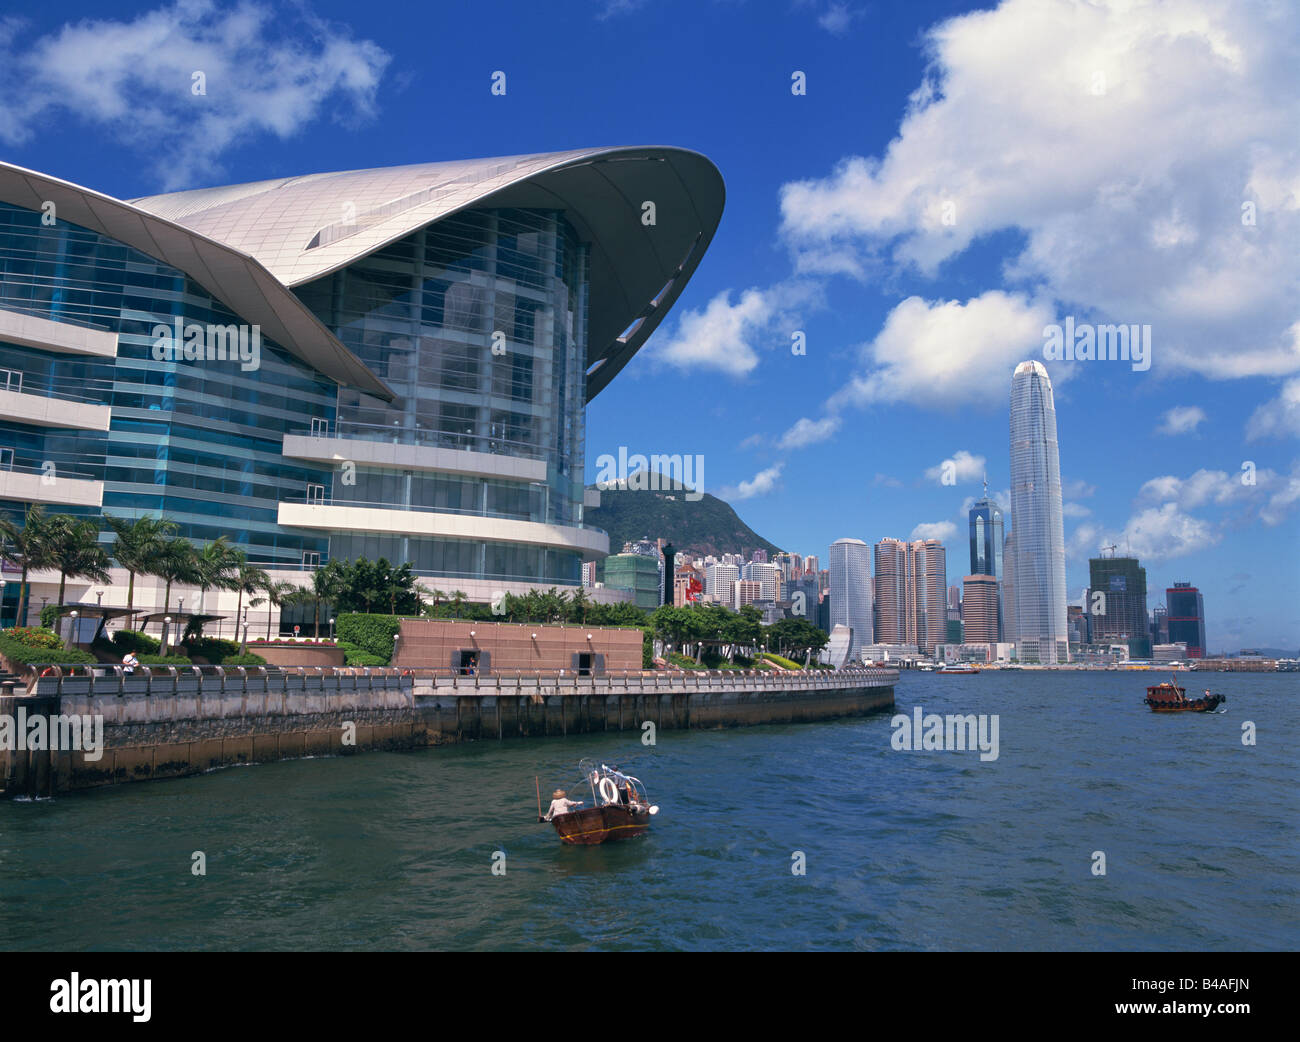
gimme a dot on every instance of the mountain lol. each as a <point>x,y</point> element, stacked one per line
<point>696,528</point>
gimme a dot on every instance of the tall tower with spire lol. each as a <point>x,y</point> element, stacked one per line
<point>1037,519</point>
<point>986,538</point>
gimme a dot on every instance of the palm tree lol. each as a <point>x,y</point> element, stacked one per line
<point>278,594</point>
<point>176,561</point>
<point>218,565</point>
<point>137,544</point>
<point>75,551</point>
<point>26,547</point>
<point>326,585</point>
<point>248,580</point>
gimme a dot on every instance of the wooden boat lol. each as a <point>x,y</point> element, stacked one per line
<point>620,808</point>
<point>1170,698</point>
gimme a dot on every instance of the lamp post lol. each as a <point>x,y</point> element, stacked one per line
<point>167,622</point>
<point>72,630</point>
<point>331,629</point>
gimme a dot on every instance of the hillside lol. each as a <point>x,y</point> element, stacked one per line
<point>705,526</point>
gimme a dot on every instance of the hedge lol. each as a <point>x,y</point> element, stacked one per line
<point>22,653</point>
<point>369,634</point>
<point>164,660</point>
<point>134,640</point>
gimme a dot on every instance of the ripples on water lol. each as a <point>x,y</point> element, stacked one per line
<point>903,849</point>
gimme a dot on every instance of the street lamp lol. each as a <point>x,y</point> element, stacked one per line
<point>167,621</point>
<point>72,630</point>
<point>331,629</point>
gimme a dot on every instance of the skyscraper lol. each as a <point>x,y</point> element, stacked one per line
<point>1124,583</point>
<point>987,536</point>
<point>890,590</point>
<point>1036,518</point>
<point>1009,588</point>
<point>851,590</point>
<point>1186,618</point>
<point>979,609</point>
<point>911,580</point>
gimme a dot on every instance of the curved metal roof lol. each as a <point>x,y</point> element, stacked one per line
<point>250,244</point>
<point>302,228</point>
<point>236,279</point>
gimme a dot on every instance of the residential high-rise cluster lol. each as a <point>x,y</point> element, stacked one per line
<point>891,600</point>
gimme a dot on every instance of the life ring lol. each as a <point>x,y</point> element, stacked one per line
<point>48,670</point>
<point>609,795</point>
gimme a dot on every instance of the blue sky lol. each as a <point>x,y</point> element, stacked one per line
<point>954,179</point>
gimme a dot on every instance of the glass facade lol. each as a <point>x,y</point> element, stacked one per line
<point>200,441</point>
<point>851,591</point>
<point>1036,515</point>
<point>479,323</point>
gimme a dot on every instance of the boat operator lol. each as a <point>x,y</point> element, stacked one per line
<point>560,804</point>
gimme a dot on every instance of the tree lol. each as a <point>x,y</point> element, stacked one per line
<point>218,567</point>
<point>73,547</point>
<point>138,542</point>
<point>248,580</point>
<point>26,547</point>
<point>327,584</point>
<point>177,561</point>
<point>278,594</point>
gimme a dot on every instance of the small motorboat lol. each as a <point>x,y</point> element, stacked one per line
<point>620,808</point>
<point>1170,698</point>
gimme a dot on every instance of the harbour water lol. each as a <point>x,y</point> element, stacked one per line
<point>900,849</point>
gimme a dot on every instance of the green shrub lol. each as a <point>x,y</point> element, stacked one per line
<point>164,660</point>
<point>779,660</point>
<point>213,649</point>
<point>361,658</point>
<point>134,640</point>
<point>25,654</point>
<point>370,634</point>
<point>682,661</point>
<point>647,650</point>
<point>50,614</point>
<point>32,637</point>
<point>248,659</point>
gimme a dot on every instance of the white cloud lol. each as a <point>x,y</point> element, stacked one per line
<point>1121,140</point>
<point>1075,510</point>
<point>1155,534</point>
<point>267,72</point>
<point>808,432</point>
<point>944,531</point>
<point>1002,498</point>
<point>728,337</point>
<point>836,19</point>
<point>1279,418</point>
<point>948,353</point>
<point>1283,501</point>
<point>1077,489</point>
<point>1206,487</point>
<point>960,467</point>
<point>760,484</point>
<point>1181,419</point>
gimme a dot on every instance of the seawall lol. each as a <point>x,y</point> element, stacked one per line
<point>189,722</point>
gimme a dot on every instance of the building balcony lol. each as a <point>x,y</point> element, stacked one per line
<point>50,487</point>
<point>46,335</point>
<point>429,451</point>
<point>378,519</point>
